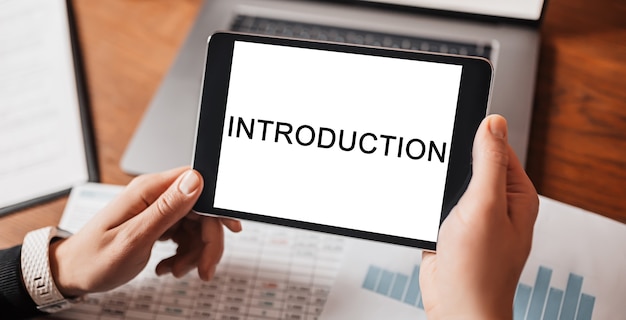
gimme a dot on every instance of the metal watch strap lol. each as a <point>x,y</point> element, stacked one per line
<point>35,264</point>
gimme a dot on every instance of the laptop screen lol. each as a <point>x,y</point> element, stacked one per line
<point>516,9</point>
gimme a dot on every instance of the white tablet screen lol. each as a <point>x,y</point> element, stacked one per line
<point>341,139</point>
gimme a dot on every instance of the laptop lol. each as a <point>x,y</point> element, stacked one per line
<point>505,32</point>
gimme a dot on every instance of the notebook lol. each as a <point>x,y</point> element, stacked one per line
<point>504,32</point>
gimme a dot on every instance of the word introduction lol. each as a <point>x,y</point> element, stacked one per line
<point>322,137</point>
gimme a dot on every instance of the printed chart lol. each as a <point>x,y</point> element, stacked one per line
<point>575,271</point>
<point>552,303</point>
<point>531,302</point>
<point>398,286</point>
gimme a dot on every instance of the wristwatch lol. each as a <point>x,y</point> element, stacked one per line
<point>35,260</point>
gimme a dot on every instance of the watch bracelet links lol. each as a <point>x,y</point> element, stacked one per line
<point>36,273</point>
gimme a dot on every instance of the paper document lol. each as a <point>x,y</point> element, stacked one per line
<point>41,138</point>
<point>575,271</point>
<point>267,272</point>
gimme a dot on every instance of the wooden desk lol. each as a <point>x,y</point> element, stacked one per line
<point>578,142</point>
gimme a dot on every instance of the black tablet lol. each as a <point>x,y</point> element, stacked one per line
<point>359,141</point>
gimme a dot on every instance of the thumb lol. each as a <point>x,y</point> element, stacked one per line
<point>171,206</point>
<point>490,156</point>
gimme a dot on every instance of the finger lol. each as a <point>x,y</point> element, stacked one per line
<point>427,264</point>
<point>169,233</point>
<point>140,193</point>
<point>207,275</point>
<point>190,246</point>
<point>490,158</point>
<point>213,237</point>
<point>188,238</point>
<point>171,206</point>
<point>517,179</point>
<point>165,266</point>
<point>427,255</point>
<point>186,261</point>
<point>177,265</point>
<point>232,224</point>
<point>523,199</point>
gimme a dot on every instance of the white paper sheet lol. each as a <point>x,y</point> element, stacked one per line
<point>267,272</point>
<point>41,140</point>
<point>577,256</point>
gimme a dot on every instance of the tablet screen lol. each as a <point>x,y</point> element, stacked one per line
<point>341,139</point>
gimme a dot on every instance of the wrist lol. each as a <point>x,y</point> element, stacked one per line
<point>61,271</point>
<point>36,270</point>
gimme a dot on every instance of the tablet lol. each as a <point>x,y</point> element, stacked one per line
<point>359,141</point>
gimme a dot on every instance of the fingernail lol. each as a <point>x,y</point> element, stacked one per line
<point>212,272</point>
<point>189,183</point>
<point>497,126</point>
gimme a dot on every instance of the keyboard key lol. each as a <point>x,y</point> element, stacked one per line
<point>274,27</point>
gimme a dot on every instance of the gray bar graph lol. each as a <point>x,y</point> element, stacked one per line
<point>572,294</point>
<point>371,278</point>
<point>413,292</point>
<point>530,303</point>
<point>540,292</point>
<point>553,306</point>
<point>520,303</point>
<point>385,282</point>
<point>585,308</point>
<point>399,286</point>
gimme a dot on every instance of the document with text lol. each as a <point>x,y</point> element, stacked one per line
<point>42,134</point>
<point>267,272</point>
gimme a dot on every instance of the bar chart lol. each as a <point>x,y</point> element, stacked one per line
<point>538,302</point>
<point>398,286</point>
<point>542,301</point>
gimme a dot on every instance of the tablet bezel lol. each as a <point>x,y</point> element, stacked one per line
<point>471,109</point>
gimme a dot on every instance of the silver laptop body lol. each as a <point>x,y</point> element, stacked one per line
<point>164,138</point>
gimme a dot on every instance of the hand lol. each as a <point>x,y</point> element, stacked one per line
<point>485,241</point>
<point>115,245</point>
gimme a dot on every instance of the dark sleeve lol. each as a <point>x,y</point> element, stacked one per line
<point>15,302</point>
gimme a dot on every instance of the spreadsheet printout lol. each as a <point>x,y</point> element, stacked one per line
<point>266,272</point>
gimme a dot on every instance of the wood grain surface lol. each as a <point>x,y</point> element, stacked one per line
<point>577,152</point>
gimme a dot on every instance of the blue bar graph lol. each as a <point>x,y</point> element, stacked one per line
<point>397,286</point>
<point>553,306</point>
<point>585,308</point>
<point>549,303</point>
<point>520,303</point>
<point>413,292</point>
<point>572,295</point>
<point>372,278</point>
<point>540,293</point>
<point>385,282</point>
<point>537,302</point>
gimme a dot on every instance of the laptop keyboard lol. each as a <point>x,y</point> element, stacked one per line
<point>274,27</point>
